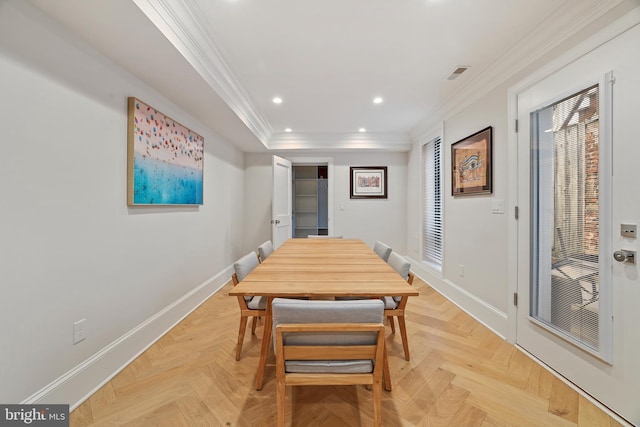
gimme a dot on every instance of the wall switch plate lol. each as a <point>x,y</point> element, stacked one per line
<point>628,230</point>
<point>497,206</point>
<point>461,270</point>
<point>79,331</point>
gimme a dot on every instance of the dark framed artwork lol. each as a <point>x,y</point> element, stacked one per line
<point>471,164</point>
<point>165,159</point>
<point>368,182</point>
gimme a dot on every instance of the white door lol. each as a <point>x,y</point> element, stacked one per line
<point>577,188</point>
<point>281,201</point>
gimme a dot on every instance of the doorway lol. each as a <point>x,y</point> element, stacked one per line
<point>321,171</point>
<point>310,200</point>
<point>576,174</point>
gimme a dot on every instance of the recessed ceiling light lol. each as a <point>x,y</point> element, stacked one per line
<point>362,130</point>
<point>377,100</point>
<point>277,100</point>
<point>287,130</point>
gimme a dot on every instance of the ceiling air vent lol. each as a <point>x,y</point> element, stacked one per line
<point>461,69</point>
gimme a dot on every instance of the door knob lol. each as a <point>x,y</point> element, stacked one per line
<point>626,256</point>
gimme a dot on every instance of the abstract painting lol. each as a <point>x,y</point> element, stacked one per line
<point>165,159</point>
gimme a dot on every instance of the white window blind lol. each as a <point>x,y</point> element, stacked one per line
<point>565,201</point>
<point>432,227</point>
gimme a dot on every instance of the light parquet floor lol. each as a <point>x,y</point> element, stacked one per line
<point>460,374</point>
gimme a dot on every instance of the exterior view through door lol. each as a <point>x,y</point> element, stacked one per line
<point>565,211</point>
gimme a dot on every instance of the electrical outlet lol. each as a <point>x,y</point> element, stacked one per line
<point>79,331</point>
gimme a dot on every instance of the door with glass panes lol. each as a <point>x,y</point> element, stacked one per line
<point>577,199</point>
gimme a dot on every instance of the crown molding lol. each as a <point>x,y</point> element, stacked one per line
<point>558,28</point>
<point>181,23</point>
<point>340,141</point>
<point>606,34</point>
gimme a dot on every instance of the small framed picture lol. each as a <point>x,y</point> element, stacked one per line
<point>471,164</point>
<point>369,182</point>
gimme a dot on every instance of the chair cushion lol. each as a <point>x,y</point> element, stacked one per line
<point>323,311</point>
<point>400,264</point>
<point>382,250</point>
<point>245,265</point>
<point>265,249</point>
<point>390,303</point>
<point>329,366</point>
<point>257,303</point>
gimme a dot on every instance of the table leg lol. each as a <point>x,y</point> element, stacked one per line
<point>266,344</point>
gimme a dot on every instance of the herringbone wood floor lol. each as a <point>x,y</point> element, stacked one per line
<point>460,374</point>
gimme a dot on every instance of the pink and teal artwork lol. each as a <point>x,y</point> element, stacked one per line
<point>166,159</point>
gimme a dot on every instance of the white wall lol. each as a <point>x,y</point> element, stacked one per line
<point>473,236</point>
<point>70,246</point>
<point>370,220</point>
<point>258,188</point>
<point>485,243</point>
<point>475,239</point>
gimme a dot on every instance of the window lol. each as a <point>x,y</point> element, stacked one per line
<point>565,201</point>
<point>432,229</point>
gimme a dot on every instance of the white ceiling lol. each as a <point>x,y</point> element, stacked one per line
<point>224,60</point>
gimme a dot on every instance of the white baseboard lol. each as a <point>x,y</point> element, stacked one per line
<point>82,381</point>
<point>484,313</point>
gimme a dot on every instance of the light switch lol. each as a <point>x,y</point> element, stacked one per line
<point>497,206</point>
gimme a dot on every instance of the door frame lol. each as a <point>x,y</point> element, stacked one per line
<point>315,161</point>
<point>604,83</point>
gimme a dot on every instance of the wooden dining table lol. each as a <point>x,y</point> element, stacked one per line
<point>319,269</point>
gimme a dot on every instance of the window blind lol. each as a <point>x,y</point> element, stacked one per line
<point>432,209</point>
<point>565,285</point>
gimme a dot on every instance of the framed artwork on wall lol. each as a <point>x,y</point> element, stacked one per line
<point>165,160</point>
<point>471,164</point>
<point>368,182</point>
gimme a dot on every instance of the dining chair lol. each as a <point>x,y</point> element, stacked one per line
<point>264,250</point>
<point>395,306</point>
<point>320,342</point>
<point>321,236</point>
<point>250,306</point>
<point>382,250</point>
